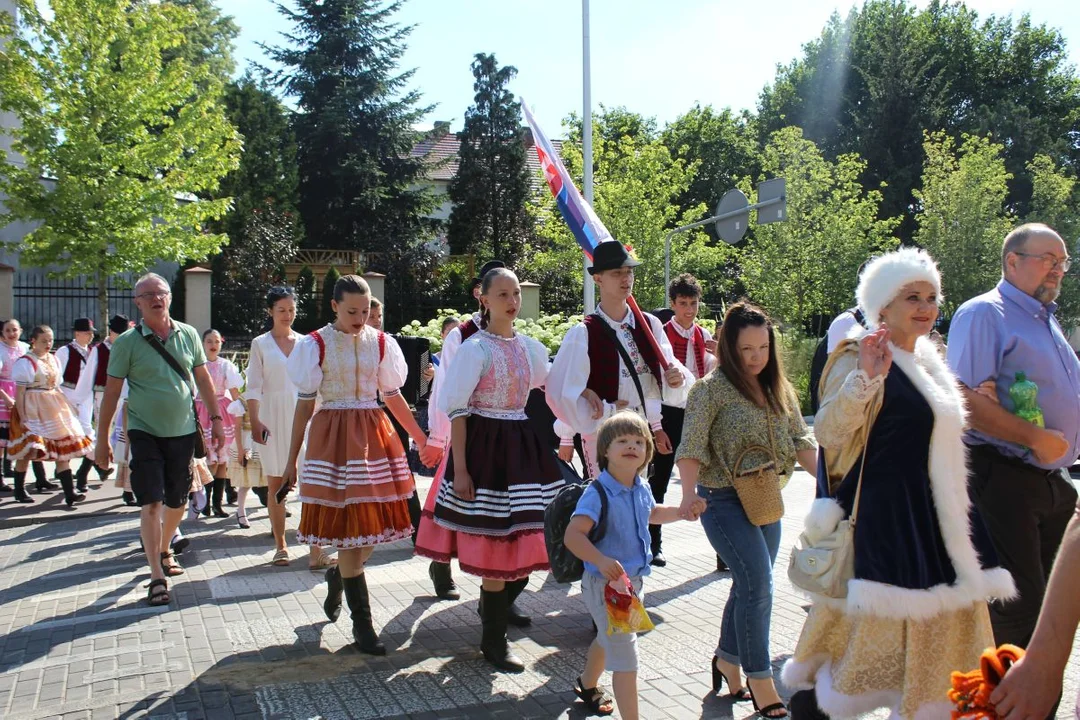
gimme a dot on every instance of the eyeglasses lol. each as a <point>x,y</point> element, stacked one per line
<point>1050,261</point>
<point>153,295</point>
<point>283,290</point>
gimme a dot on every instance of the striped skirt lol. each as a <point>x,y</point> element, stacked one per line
<point>49,431</point>
<point>355,481</point>
<point>500,533</point>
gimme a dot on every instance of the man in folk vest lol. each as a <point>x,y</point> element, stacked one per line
<point>91,385</point>
<point>439,433</point>
<point>695,348</point>
<point>589,381</point>
<point>72,359</point>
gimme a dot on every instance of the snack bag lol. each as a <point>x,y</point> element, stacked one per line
<point>625,612</point>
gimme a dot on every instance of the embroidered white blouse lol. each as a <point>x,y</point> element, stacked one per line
<point>492,376</point>
<point>351,374</point>
<point>438,422</point>
<point>570,374</point>
<point>31,371</point>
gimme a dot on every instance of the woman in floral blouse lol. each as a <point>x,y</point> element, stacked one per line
<point>746,401</point>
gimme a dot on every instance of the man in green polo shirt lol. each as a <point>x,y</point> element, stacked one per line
<point>161,422</point>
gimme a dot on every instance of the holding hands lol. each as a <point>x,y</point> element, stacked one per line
<point>875,355</point>
<point>691,508</point>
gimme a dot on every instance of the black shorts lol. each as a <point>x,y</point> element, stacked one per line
<point>160,468</point>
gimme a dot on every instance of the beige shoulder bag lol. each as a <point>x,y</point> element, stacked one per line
<point>759,489</point>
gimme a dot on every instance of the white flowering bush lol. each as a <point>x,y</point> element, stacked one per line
<point>548,329</point>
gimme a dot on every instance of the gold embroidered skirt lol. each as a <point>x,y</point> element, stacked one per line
<point>875,662</point>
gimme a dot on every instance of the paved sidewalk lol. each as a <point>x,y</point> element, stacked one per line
<point>243,639</point>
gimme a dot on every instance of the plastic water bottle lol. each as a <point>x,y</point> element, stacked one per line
<point>1025,398</point>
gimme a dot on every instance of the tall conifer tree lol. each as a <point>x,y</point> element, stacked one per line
<point>491,188</point>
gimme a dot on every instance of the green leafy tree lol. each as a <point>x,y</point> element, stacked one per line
<point>128,140</point>
<point>249,266</point>
<point>307,301</point>
<point>1055,201</point>
<point>326,309</point>
<point>804,269</point>
<point>210,35</point>
<point>360,184</point>
<point>263,227</point>
<point>874,81</point>
<point>723,144</point>
<point>493,183</point>
<point>962,218</point>
<point>637,186</point>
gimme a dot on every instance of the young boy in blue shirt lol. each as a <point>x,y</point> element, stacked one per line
<point>624,447</point>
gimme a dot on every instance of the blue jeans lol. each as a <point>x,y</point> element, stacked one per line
<point>749,552</point>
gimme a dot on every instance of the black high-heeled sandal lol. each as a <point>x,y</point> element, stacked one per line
<point>594,698</point>
<point>766,712</point>
<point>718,680</point>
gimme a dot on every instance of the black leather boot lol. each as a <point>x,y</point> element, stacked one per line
<point>356,594</point>
<point>20,488</point>
<point>219,491</point>
<point>40,483</point>
<point>332,604</point>
<point>129,498</point>
<point>443,581</point>
<point>803,706</point>
<point>82,475</point>
<point>230,492</point>
<point>67,482</point>
<point>493,644</point>
<point>514,616</point>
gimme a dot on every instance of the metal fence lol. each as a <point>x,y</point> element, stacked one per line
<point>40,300</point>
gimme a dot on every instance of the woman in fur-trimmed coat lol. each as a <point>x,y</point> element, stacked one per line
<point>916,609</point>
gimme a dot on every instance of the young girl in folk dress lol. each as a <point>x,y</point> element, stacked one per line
<point>43,425</point>
<point>245,468</point>
<point>227,380</point>
<point>355,481</point>
<point>489,511</point>
<point>11,349</point>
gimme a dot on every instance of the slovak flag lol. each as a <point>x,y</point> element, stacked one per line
<point>586,226</point>
<point>578,214</point>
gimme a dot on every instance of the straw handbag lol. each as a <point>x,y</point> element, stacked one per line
<point>759,488</point>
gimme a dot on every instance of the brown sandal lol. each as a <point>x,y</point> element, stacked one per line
<point>281,558</point>
<point>157,599</point>
<point>171,569</point>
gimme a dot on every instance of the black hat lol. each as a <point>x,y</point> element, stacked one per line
<point>118,324</point>
<point>485,269</point>
<point>83,325</point>
<point>609,255</point>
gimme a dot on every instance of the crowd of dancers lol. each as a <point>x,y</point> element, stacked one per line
<point>323,413</point>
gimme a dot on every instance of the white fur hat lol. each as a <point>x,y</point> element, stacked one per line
<point>884,276</point>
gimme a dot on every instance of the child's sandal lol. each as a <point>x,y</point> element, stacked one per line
<point>598,702</point>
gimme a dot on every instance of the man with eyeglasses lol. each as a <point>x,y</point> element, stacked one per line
<point>1019,478</point>
<point>162,360</point>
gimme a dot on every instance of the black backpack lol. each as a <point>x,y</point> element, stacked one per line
<point>566,567</point>
<point>821,356</point>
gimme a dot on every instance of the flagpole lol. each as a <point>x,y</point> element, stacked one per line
<point>586,144</point>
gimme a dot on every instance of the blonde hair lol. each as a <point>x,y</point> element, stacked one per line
<point>623,423</point>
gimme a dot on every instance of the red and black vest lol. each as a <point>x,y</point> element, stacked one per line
<point>468,329</point>
<point>101,375</point>
<point>605,363</point>
<point>74,366</point>
<point>680,346</point>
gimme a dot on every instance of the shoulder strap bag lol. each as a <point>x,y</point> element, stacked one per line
<point>824,566</point>
<point>200,441</point>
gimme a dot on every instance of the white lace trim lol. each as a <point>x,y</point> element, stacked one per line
<point>861,387</point>
<point>387,536</point>
<point>499,414</point>
<point>350,405</point>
